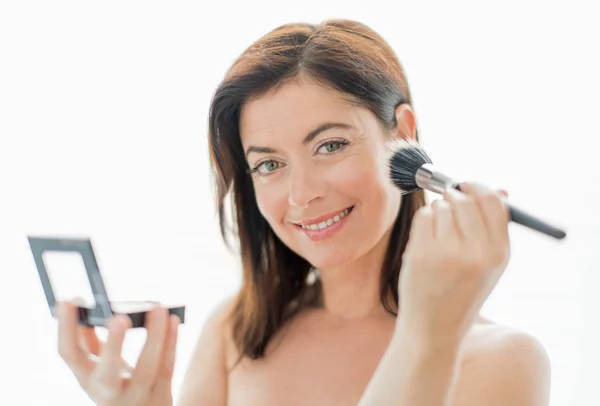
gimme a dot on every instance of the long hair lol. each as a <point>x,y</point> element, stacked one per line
<point>342,55</point>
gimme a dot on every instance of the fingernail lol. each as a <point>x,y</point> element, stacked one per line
<point>436,203</point>
<point>451,192</point>
<point>63,306</point>
<point>158,312</point>
<point>115,325</point>
<point>153,315</point>
<point>118,323</point>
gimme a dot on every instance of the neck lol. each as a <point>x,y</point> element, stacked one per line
<point>354,290</point>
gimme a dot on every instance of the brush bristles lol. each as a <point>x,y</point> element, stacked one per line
<point>407,157</point>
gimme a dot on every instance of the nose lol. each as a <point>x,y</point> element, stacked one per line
<point>305,185</point>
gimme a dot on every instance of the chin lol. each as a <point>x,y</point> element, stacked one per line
<point>325,256</point>
<point>327,262</point>
<point>332,257</point>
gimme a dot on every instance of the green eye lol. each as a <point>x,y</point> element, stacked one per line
<point>333,146</point>
<point>270,166</point>
<point>266,167</point>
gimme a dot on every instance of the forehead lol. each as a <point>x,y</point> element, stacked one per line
<point>295,108</point>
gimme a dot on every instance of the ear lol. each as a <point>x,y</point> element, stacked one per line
<point>406,127</point>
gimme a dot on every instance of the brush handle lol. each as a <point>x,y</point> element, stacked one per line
<point>519,216</point>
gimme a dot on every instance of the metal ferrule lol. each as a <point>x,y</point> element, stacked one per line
<point>430,178</point>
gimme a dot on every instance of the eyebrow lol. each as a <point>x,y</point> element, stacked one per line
<point>311,136</point>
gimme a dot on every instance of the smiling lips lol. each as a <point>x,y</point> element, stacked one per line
<point>322,228</point>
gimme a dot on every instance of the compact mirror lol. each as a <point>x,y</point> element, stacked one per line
<point>68,271</point>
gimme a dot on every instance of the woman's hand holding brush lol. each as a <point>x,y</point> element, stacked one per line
<point>457,251</point>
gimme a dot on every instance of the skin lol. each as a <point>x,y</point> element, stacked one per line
<point>440,350</point>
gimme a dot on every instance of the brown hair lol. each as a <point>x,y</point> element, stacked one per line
<point>342,55</point>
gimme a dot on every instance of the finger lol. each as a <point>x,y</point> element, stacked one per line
<point>444,227</point>
<point>90,339</point>
<point>165,374</point>
<point>144,375</point>
<point>467,218</point>
<point>79,301</point>
<point>108,372</point>
<point>422,227</point>
<point>94,345</point>
<point>493,211</point>
<point>69,346</point>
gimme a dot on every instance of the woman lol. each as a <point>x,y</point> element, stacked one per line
<point>352,292</point>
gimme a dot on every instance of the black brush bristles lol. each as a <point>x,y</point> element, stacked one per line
<point>407,157</point>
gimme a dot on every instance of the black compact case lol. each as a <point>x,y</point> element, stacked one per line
<point>104,309</point>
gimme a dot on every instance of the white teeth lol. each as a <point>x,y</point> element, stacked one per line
<point>328,222</point>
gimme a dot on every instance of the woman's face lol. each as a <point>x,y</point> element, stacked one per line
<point>320,171</point>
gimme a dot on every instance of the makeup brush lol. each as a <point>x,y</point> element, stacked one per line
<point>411,169</point>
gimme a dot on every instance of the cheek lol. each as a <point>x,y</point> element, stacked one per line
<point>272,205</point>
<point>366,181</point>
<point>360,178</point>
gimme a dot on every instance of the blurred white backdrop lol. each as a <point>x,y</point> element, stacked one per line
<point>103,110</point>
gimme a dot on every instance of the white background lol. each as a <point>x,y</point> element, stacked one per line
<point>103,110</point>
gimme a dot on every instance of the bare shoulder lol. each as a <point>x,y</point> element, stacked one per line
<point>205,381</point>
<point>503,365</point>
<point>219,320</point>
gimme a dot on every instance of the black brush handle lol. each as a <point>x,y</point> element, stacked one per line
<point>519,216</point>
